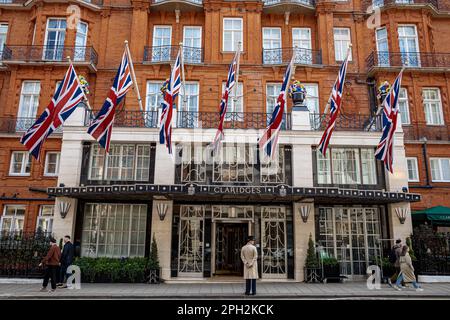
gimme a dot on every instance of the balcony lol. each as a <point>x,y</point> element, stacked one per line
<point>129,118</point>
<point>23,2</point>
<point>284,56</point>
<point>419,60</point>
<point>168,54</point>
<point>292,6</point>
<point>389,3</point>
<point>182,5</point>
<point>38,55</point>
<point>233,120</point>
<point>18,124</point>
<point>351,122</point>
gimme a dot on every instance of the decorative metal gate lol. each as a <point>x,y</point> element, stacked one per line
<point>274,253</point>
<point>191,237</point>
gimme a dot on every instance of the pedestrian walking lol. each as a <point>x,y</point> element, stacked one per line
<point>406,270</point>
<point>394,258</point>
<point>51,262</point>
<point>249,256</point>
<point>66,260</point>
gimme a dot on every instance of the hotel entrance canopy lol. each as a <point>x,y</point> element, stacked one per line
<point>438,215</point>
<point>232,192</point>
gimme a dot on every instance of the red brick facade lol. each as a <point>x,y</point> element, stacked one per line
<point>117,20</point>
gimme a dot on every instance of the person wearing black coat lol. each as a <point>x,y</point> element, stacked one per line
<point>66,260</point>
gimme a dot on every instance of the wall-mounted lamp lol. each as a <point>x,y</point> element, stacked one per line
<point>304,211</point>
<point>401,214</point>
<point>64,208</point>
<point>283,191</point>
<point>191,190</point>
<point>162,210</point>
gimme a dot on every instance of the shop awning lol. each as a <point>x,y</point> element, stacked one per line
<point>438,214</point>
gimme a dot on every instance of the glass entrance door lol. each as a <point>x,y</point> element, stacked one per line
<point>230,237</point>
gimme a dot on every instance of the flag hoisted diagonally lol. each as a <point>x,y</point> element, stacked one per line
<point>101,126</point>
<point>335,103</point>
<point>269,140</point>
<point>173,88</point>
<point>231,80</point>
<point>65,100</point>
<point>390,113</point>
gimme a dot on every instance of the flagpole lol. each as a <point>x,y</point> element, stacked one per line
<point>85,100</point>
<point>380,107</point>
<point>238,53</point>
<point>133,74</point>
<point>331,93</point>
<point>183,76</point>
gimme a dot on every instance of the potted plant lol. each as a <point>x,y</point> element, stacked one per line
<point>331,269</point>
<point>312,270</point>
<point>297,92</point>
<point>153,268</point>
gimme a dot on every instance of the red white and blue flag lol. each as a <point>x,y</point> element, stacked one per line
<point>390,113</point>
<point>101,126</point>
<point>335,103</point>
<point>173,88</point>
<point>269,141</point>
<point>231,80</point>
<point>66,98</point>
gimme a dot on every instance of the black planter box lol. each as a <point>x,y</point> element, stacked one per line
<point>332,272</point>
<point>154,276</point>
<point>312,275</point>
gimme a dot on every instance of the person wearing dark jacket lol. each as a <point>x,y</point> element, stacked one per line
<point>51,261</point>
<point>397,248</point>
<point>66,260</point>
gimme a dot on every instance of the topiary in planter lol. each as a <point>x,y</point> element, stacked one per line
<point>312,270</point>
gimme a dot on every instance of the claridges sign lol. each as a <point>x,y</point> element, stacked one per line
<point>238,190</point>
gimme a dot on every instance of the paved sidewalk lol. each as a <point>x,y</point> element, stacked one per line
<point>278,290</point>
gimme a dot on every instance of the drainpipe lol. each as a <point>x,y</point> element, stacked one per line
<point>425,158</point>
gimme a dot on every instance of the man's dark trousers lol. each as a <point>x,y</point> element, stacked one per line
<point>51,272</point>
<point>250,286</point>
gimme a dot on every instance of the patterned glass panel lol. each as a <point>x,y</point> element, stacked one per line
<point>274,254</point>
<point>273,171</point>
<point>191,239</point>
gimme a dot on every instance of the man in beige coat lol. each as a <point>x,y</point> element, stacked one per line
<point>249,256</point>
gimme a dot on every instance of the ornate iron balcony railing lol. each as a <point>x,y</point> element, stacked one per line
<point>18,124</point>
<point>431,133</point>
<point>408,59</point>
<point>129,118</point>
<point>353,122</point>
<point>167,54</point>
<point>284,55</point>
<point>49,54</point>
<point>274,2</point>
<point>94,2</point>
<point>385,3</point>
<point>233,120</point>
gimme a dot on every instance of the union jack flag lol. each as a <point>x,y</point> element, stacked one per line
<point>390,113</point>
<point>269,141</point>
<point>231,80</point>
<point>173,88</point>
<point>66,98</point>
<point>101,126</point>
<point>335,105</point>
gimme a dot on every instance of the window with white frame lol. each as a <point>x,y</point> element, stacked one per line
<point>413,171</point>
<point>13,218</point>
<point>272,93</point>
<point>28,104</point>
<point>301,42</point>
<point>312,97</point>
<point>409,45</point>
<point>440,169</point>
<point>188,97</point>
<point>3,35</point>
<point>346,166</point>
<point>232,33</point>
<point>342,40</point>
<point>432,106</point>
<point>81,41</point>
<point>403,106</point>
<point>45,219</point>
<point>154,98</point>
<point>271,45</point>
<point>162,39</point>
<point>114,230</point>
<point>235,100</point>
<point>54,39</point>
<point>52,163</point>
<point>192,41</point>
<point>126,162</point>
<point>382,46</point>
<point>20,163</point>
